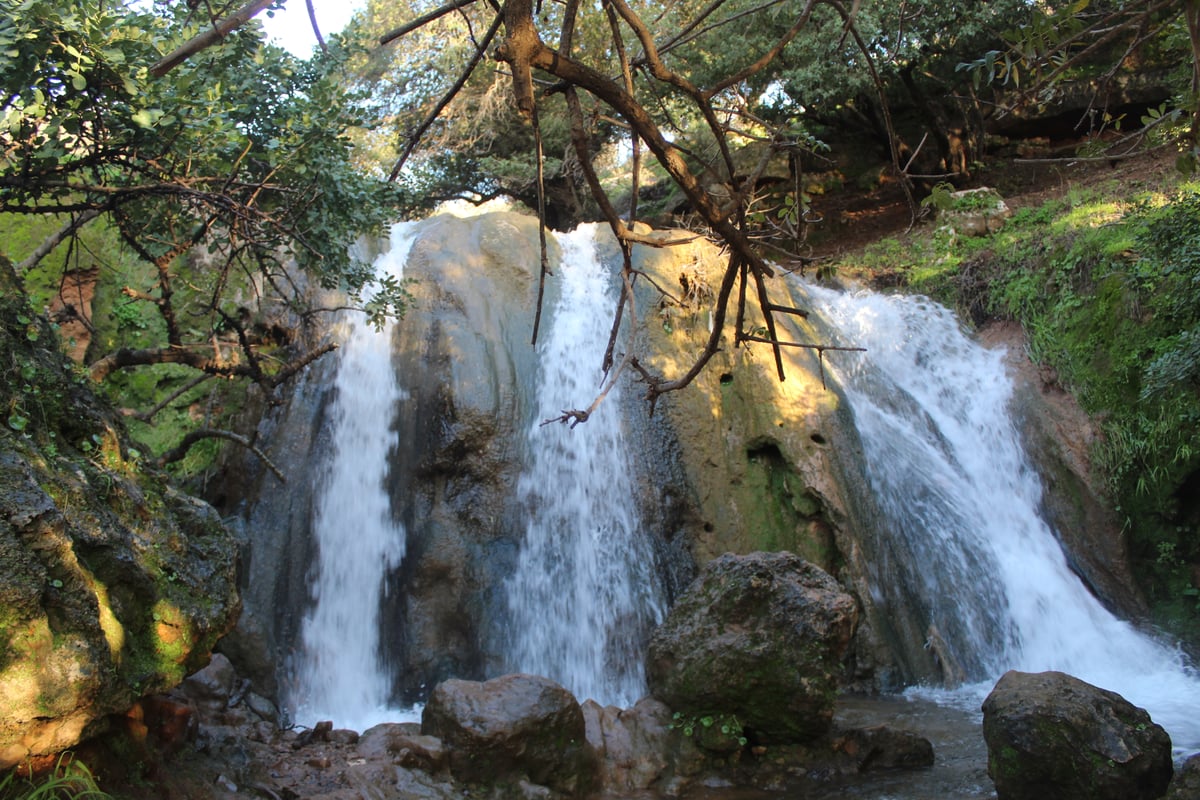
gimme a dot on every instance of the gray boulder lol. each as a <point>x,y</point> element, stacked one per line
<point>636,748</point>
<point>759,637</point>
<point>510,728</point>
<point>1051,736</point>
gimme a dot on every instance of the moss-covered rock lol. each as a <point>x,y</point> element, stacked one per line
<point>112,584</point>
<point>759,637</point>
<point>1050,736</point>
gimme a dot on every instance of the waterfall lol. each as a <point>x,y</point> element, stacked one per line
<point>585,592</point>
<point>339,673</point>
<point>961,502</point>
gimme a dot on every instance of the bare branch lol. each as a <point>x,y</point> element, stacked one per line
<point>424,19</point>
<point>52,241</point>
<point>415,137</point>
<point>312,18</point>
<point>149,415</point>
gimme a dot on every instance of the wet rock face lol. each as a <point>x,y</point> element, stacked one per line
<point>112,585</point>
<point>511,728</point>
<point>1051,736</point>
<point>759,637</point>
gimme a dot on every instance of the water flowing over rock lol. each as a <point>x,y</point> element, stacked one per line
<point>739,462</point>
<point>1186,783</point>
<point>1051,736</point>
<point>112,584</point>
<point>509,728</point>
<point>760,638</point>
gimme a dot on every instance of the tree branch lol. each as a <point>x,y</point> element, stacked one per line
<point>424,19</point>
<point>208,38</point>
<point>178,452</point>
<point>52,241</point>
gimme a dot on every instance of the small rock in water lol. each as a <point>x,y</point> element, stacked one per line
<point>226,784</point>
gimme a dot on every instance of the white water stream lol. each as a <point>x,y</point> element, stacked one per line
<point>340,674</point>
<point>585,592</point>
<point>961,499</point>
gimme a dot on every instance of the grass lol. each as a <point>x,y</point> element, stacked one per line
<point>68,780</point>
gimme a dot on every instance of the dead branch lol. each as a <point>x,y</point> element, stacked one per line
<point>149,415</point>
<point>415,137</point>
<point>820,348</point>
<point>52,241</point>
<point>424,20</point>
<point>312,18</point>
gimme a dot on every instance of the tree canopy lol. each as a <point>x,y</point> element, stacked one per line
<point>219,160</point>
<point>214,177</point>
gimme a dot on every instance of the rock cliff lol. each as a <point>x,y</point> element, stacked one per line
<point>112,584</point>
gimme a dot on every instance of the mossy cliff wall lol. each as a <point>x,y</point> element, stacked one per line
<point>112,584</point>
<point>760,463</point>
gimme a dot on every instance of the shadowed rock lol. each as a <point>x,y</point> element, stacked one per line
<point>759,637</point>
<point>509,728</point>
<point>1051,736</point>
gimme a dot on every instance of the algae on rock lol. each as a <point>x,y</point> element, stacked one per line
<point>113,585</point>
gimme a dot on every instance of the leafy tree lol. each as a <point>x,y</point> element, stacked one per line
<point>1100,40</point>
<point>688,82</point>
<point>218,175</point>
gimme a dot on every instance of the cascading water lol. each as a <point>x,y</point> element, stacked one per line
<point>961,501</point>
<point>340,674</point>
<point>585,591</point>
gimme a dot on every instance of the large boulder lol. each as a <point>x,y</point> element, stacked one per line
<point>112,584</point>
<point>1051,736</point>
<point>511,728</point>
<point>759,637</point>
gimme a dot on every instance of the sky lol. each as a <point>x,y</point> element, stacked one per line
<point>292,30</point>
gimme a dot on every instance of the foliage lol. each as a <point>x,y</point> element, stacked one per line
<point>69,780</point>
<point>1062,43</point>
<point>702,726</point>
<point>207,182</point>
